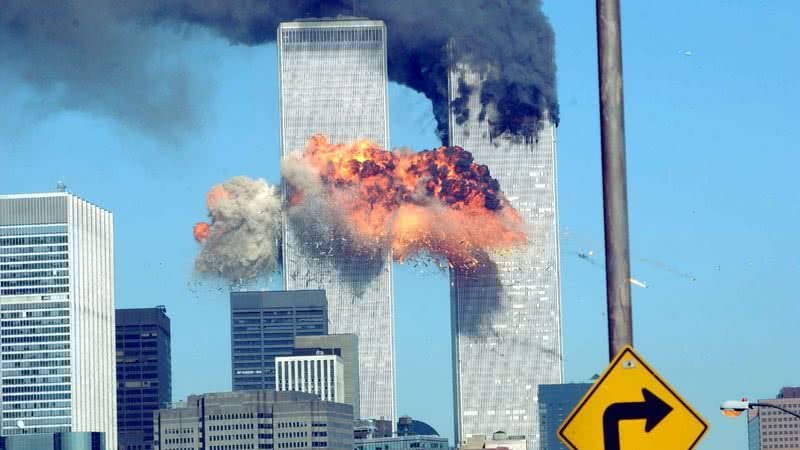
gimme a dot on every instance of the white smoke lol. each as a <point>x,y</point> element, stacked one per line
<point>244,235</point>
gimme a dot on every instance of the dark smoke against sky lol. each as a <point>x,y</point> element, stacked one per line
<point>98,55</point>
<point>83,55</point>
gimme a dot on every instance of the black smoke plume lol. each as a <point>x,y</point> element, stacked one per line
<point>510,41</point>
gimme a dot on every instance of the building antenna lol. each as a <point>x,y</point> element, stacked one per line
<point>354,8</point>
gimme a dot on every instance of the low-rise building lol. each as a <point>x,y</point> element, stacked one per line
<point>54,441</point>
<point>261,419</point>
<point>319,374</point>
<point>499,440</point>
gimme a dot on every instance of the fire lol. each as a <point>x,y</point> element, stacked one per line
<point>200,231</point>
<point>216,193</point>
<point>437,202</point>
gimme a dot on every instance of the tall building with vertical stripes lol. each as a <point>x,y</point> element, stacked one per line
<point>57,312</point>
<point>507,316</point>
<point>333,81</point>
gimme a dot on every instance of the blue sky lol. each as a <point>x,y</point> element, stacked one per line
<point>712,156</point>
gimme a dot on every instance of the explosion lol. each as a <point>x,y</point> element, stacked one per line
<point>240,243</point>
<point>436,202</point>
<point>358,199</point>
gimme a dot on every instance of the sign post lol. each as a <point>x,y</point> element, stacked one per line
<point>631,407</point>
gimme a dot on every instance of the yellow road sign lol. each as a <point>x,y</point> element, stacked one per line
<point>630,407</point>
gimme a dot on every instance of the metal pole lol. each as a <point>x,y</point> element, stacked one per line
<point>615,206</point>
<point>767,405</point>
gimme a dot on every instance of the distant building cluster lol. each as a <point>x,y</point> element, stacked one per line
<point>312,366</point>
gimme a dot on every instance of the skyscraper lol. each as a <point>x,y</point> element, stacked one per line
<point>57,308</point>
<point>556,402</point>
<point>507,315</point>
<point>264,325</point>
<point>769,428</point>
<point>333,81</point>
<point>144,373</point>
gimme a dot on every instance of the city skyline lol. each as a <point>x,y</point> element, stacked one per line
<point>690,208</point>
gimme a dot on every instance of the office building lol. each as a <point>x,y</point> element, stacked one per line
<point>411,434</point>
<point>144,373</point>
<point>333,81</point>
<point>506,314</point>
<point>345,346</point>
<point>409,442</point>
<point>264,325</point>
<point>769,428</point>
<point>556,402</point>
<point>317,374</point>
<point>499,440</point>
<point>54,441</point>
<point>254,420</point>
<point>57,308</point>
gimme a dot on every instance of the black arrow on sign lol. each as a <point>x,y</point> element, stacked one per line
<point>652,409</point>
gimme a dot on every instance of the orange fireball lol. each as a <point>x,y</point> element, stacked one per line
<point>200,231</point>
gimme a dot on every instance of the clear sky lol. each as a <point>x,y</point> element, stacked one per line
<point>711,96</point>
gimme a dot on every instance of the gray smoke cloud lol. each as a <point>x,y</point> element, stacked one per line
<point>244,234</point>
<point>91,56</point>
<point>100,51</point>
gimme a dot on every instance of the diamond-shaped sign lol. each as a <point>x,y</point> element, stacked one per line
<point>630,407</point>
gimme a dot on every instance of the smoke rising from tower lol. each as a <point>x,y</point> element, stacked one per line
<point>105,52</point>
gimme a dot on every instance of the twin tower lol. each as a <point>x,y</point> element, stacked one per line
<point>506,319</point>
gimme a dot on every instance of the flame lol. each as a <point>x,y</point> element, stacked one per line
<point>436,202</point>
<point>200,231</point>
<point>216,193</point>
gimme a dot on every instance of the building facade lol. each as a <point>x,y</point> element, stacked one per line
<point>333,81</point>
<point>769,428</point>
<point>410,442</point>
<point>144,373</point>
<point>556,402</point>
<point>264,326</point>
<point>254,420</point>
<point>345,346</point>
<point>54,441</point>
<point>320,374</point>
<point>506,316</point>
<point>57,312</point>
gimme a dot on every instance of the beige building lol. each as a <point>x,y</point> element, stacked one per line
<point>770,428</point>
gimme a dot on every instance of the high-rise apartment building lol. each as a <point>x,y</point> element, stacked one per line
<point>333,81</point>
<point>264,325</point>
<point>506,315</point>
<point>318,374</point>
<point>57,312</point>
<point>254,420</point>
<point>769,428</point>
<point>144,373</point>
<point>345,346</point>
<point>556,402</point>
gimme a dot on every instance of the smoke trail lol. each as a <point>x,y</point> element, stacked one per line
<point>101,51</point>
<point>241,242</point>
<point>85,55</point>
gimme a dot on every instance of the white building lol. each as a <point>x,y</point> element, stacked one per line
<point>507,315</point>
<point>333,81</point>
<point>322,375</point>
<point>57,307</point>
